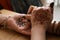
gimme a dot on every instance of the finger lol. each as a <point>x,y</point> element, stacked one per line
<point>30,9</point>
<point>28,16</point>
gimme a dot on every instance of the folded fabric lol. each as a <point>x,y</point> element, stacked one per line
<point>21,6</point>
<point>1,7</point>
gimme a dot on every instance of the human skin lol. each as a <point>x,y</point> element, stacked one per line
<point>11,22</point>
<point>53,28</point>
<point>24,30</point>
<point>41,17</point>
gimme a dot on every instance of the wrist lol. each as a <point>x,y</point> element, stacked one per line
<point>39,26</point>
<point>37,32</point>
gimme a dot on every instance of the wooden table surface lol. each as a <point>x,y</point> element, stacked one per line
<point>6,34</point>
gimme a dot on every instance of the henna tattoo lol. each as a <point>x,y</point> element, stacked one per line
<point>42,16</point>
<point>22,22</point>
<point>4,19</point>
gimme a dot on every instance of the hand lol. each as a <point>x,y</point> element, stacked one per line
<point>41,15</point>
<point>19,23</point>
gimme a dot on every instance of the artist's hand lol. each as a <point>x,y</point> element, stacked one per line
<point>42,15</point>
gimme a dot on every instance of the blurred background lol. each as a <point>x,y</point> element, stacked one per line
<point>56,8</point>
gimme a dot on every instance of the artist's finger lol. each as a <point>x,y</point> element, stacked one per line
<point>30,9</point>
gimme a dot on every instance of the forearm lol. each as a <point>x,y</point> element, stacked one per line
<point>3,19</point>
<point>38,32</point>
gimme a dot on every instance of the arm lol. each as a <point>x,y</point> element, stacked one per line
<point>38,33</point>
<point>3,19</point>
<point>38,29</point>
<point>10,22</point>
<point>41,17</point>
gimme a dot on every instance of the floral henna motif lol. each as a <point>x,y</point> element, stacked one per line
<point>23,22</point>
<point>42,15</point>
<point>25,25</point>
